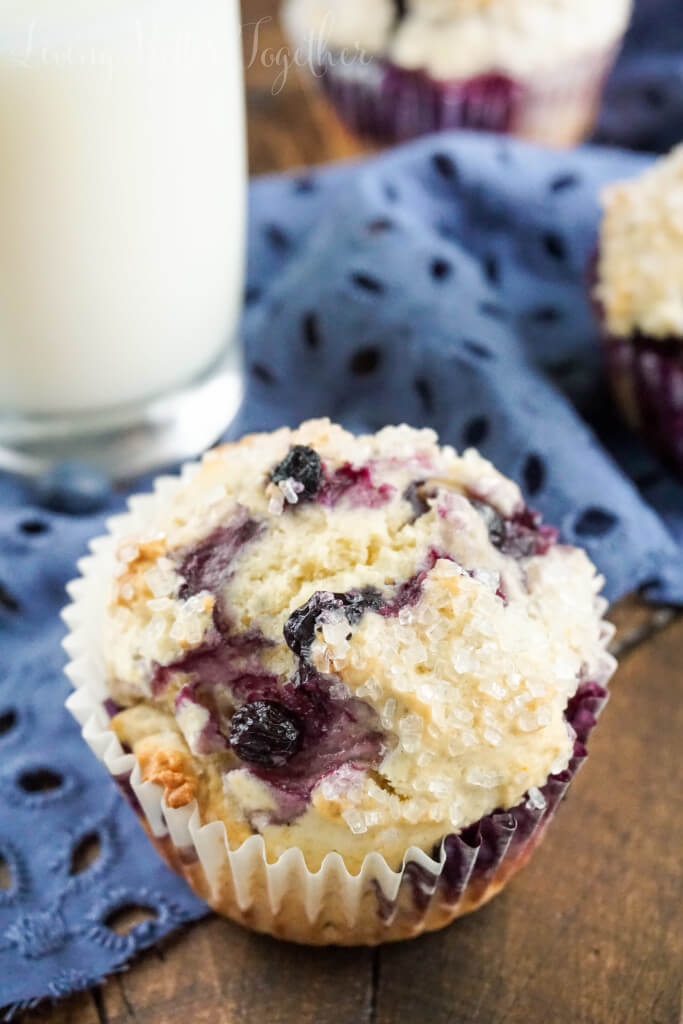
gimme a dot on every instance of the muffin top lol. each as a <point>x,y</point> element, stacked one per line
<point>456,38</point>
<point>640,261</point>
<point>348,25</point>
<point>348,643</point>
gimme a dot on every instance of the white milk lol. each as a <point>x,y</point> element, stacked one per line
<point>122,197</point>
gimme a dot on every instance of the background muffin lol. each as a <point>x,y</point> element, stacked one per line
<point>533,68</point>
<point>345,656</point>
<point>639,292</point>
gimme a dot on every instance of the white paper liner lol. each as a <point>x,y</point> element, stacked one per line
<point>285,898</point>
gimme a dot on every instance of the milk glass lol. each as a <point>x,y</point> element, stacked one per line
<point>122,229</point>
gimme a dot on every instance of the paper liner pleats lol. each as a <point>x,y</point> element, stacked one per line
<point>647,381</point>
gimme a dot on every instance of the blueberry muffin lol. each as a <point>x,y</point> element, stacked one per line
<point>639,294</point>
<point>362,666</point>
<point>400,68</point>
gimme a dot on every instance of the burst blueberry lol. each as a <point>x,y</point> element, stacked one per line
<point>520,536</point>
<point>300,627</point>
<point>415,495</point>
<point>303,465</point>
<point>265,732</point>
<point>495,524</point>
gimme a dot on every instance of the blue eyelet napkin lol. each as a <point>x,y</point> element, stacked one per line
<point>442,284</point>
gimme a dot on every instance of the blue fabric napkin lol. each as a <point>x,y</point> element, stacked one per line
<point>643,102</point>
<point>445,284</point>
<point>442,284</point>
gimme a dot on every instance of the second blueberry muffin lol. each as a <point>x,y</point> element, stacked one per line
<point>399,68</point>
<point>639,291</point>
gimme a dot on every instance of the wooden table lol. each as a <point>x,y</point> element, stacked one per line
<point>589,933</point>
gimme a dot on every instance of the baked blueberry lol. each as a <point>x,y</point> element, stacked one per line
<point>301,464</point>
<point>264,732</point>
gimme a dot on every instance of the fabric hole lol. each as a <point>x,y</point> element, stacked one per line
<point>124,919</point>
<point>252,294</point>
<point>6,880</point>
<point>263,374</point>
<point>33,527</point>
<point>8,601</point>
<point>367,282</point>
<point>650,584</point>
<point>365,360</point>
<point>379,226</point>
<point>654,97</point>
<point>554,246</point>
<point>595,522</point>
<point>277,237</point>
<point>8,719</point>
<point>85,853</point>
<point>39,780</point>
<point>304,185</point>
<point>311,331</point>
<point>533,474</point>
<point>563,368</point>
<point>647,480</point>
<point>546,315</point>
<point>426,395</point>
<point>445,166</point>
<point>561,182</point>
<point>491,269</point>
<point>475,432</point>
<point>477,349</point>
<point>492,309</point>
<point>440,269</point>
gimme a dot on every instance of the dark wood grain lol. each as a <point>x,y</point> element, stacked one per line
<point>219,974</point>
<point>589,933</point>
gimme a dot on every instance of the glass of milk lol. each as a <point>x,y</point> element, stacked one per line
<point>122,229</point>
